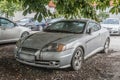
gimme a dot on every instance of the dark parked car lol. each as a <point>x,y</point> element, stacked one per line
<point>30,23</point>
<point>25,21</point>
<point>34,26</point>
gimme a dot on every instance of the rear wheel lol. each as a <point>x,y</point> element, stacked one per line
<point>77,59</point>
<point>106,46</point>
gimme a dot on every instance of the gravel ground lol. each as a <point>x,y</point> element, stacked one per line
<point>99,67</point>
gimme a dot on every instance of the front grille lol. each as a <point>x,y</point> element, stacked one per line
<point>27,57</point>
<point>109,28</point>
<point>28,50</point>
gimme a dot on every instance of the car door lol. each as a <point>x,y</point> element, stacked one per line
<point>8,30</point>
<point>93,40</point>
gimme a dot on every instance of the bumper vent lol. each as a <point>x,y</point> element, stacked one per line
<point>28,50</point>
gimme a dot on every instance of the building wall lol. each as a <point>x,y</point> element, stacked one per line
<point>19,15</point>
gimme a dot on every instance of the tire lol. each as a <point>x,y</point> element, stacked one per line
<point>119,33</point>
<point>77,59</point>
<point>106,46</point>
<point>24,34</point>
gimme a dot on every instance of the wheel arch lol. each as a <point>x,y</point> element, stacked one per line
<point>108,38</point>
<point>82,47</point>
<point>23,33</point>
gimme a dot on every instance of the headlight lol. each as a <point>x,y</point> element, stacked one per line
<point>54,47</point>
<point>115,28</point>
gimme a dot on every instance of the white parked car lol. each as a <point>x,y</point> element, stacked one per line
<point>10,31</point>
<point>113,25</point>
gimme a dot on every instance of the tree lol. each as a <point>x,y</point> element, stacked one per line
<point>102,15</point>
<point>69,8</point>
<point>66,8</point>
<point>8,8</point>
<point>115,7</point>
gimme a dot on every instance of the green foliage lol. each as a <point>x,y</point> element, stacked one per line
<point>102,15</point>
<point>116,7</point>
<point>68,8</point>
<point>37,6</point>
<point>9,7</point>
<point>76,8</point>
<point>102,4</point>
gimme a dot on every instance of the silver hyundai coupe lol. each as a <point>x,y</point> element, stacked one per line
<point>63,44</point>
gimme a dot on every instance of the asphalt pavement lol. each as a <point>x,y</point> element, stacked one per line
<point>99,67</point>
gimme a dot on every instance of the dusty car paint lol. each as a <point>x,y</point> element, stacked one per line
<point>32,48</point>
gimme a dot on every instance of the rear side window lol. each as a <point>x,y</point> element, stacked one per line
<point>94,26</point>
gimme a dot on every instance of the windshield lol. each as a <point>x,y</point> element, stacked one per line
<point>111,21</point>
<point>67,27</point>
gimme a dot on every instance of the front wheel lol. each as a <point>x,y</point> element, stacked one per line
<point>77,59</point>
<point>106,46</point>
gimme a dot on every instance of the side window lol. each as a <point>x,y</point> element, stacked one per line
<point>91,25</point>
<point>94,26</point>
<point>6,23</point>
<point>57,25</point>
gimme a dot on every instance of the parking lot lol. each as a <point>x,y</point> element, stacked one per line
<point>99,67</point>
<point>115,43</point>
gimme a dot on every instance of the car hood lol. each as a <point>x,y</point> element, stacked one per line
<point>110,26</point>
<point>39,40</point>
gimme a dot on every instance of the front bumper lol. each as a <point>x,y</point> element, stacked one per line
<point>47,59</point>
<point>114,32</point>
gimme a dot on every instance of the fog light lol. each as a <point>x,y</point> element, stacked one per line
<point>52,63</point>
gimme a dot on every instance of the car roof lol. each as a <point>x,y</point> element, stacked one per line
<point>82,20</point>
<point>113,18</point>
<point>6,18</point>
<point>2,17</point>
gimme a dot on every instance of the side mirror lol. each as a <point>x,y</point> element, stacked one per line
<point>89,31</point>
<point>15,24</point>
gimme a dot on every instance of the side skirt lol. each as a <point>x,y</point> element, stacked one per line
<point>94,52</point>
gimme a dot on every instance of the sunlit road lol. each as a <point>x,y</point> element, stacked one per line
<point>115,43</point>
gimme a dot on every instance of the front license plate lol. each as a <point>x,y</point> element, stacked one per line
<point>27,57</point>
